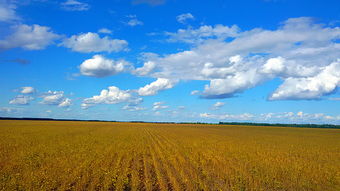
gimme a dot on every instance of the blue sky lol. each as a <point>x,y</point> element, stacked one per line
<point>169,60</point>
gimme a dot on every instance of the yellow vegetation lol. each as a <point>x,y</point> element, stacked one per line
<point>46,155</point>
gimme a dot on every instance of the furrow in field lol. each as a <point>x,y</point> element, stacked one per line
<point>104,169</point>
<point>121,170</point>
<point>167,161</point>
<point>127,184</point>
<point>147,175</point>
<point>161,163</point>
<point>85,176</point>
<point>181,164</point>
<point>142,176</point>
<point>152,173</point>
<point>157,184</point>
<point>196,173</point>
<point>141,173</point>
<point>116,172</point>
<point>180,167</point>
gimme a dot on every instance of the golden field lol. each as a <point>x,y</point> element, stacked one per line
<point>60,155</point>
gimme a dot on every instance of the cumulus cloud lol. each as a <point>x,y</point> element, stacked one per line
<point>280,117</point>
<point>183,18</point>
<point>242,117</point>
<point>21,100</point>
<point>55,98</point>
<point>28,37</point>
<point>314,87</point>
<point>298,117</point>
<point>27,90</point>
<point>133,105</point>
<point>195,92</point>
<point>65,103</point>
<point>145,69</point>
<point>203,33</point>
<point>92,42</point>
<point>99,66</point>
<point>231,84</point>
<point>300,52</point>
<point>74,5</point>
<point>159,105</point>
<point>133,21</point>
<point>274,65</point>
<point>7,12</point>
<point>156,86</point>
<point>133,108</point>
<point>8,110</point>
<point>300,114</point>
<point>218,105</point>
<point>112,95</point>
<point>105,31</point>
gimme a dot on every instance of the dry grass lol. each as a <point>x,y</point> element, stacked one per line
<point>42,155</point>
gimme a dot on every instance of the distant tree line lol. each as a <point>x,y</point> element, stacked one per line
<point>49,119</point>
<point>283,125</point>
<point>220,123</point>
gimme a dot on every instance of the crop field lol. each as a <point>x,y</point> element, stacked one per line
<point>61,155</point>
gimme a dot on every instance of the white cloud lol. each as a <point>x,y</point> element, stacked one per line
<point>28,37</point>
<point>99,66</point>
<point>8,110</point>
<point>112,95</point>
<point>300,52</point>
<point>298,117</point>
<point>231,84</point>
<point>310,87</point>
<point>105,31</point>
<point>195,92</point>
<point>7,12</point>
<point>156,86</point>
<point>203,33</point>
<point>183,18</point>
<point>235,59</point>
<point>159,105</point>
<point>65,103</point>
<point>133,21</point>
<point>85,105</point>
<point>21,100</point>
<point>133,105</point>
<point>244,116</point>
<point>27,90</point>
<point>133,108</point>
<point>91,42</point>
<point>274,65</point>
<point>218,105</point>
<point>283,117</point>
<point>55,98</point>
<point>74,5</point>
<point>145,69</point>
